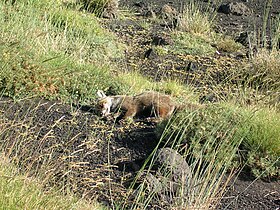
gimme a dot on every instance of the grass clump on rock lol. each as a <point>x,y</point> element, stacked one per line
<point>213,129</point>
<point>213,140</point>
<point>201,146</point>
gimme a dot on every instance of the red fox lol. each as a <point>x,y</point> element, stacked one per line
<point>147,104</point>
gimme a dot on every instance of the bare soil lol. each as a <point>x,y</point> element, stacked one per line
<point>97,158</point>
<point>94,158</point>
<point>245,192</point>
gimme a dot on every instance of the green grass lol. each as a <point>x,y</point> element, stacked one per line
<point>261,133</point>
<point>186,43</point>
<point>258,132</point>
<point>205,139</point>
<point>53,52</point>
<point>62,55</point>
<point>196,34</point>
<point>265,73</point>
<point>264,132</point>
<point>227,44</point>
<point>17,191</point>
<point>133,83</point>
<point>59,77</point>
<point>53,28</point>
<point>94,6</point>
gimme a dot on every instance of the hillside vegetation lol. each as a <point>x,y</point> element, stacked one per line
<point>19,191</point>
<point>55,50</point>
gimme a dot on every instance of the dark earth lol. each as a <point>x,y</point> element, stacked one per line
<point>99,158</point>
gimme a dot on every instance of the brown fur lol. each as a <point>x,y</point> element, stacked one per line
<point>147,104</point>
<point>150,104</point>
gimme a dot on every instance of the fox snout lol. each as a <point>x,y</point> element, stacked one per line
<point>103,108</point>
<point>104,104</point>
<point>105,111</point>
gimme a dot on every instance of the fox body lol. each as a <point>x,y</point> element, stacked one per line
<point>147,104</point>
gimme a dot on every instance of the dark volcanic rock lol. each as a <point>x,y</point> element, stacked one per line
<point>247,193</point>
<point>143,9</point>
<point>161,39</point>
<point>175,163</point>
<point>192,66</point>
<point>244,38</point>
<point>151,54</point>
<point>235,8</point>
<point>172,177</point>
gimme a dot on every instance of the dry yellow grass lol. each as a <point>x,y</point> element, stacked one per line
<point>268,63</point>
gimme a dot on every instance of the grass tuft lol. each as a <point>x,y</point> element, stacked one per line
<point>266,69</point>
<point>98,6</point>
<point>261,133</point>
<point>186,43</point>
<point>194,21</point>
<point>227,44</point>
<point>205,139</point>
<point>18,191</point>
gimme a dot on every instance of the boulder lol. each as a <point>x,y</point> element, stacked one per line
<point>174,163</point>
<point>235,8</point>
<point>172,177</point>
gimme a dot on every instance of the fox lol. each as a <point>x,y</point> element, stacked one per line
<point>146,104</point>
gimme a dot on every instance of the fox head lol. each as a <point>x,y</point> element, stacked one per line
<point>104,103</point>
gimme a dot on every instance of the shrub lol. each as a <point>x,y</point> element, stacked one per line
<point>195,21</point>
<point>266,70</point>
<point>18,191</point>
<point>212,130</point>
<point>204,138</point>
<point>261,134</point>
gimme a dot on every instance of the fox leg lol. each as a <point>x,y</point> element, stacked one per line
<point>130,113</point>
<point>165,111</point>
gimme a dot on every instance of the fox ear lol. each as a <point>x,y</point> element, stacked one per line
<point>101,94</point>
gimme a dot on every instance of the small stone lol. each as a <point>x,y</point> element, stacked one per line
<point>161,39</point>
<point>148,12</point>
<point>150,53</point>
<point>192,66</point>
<point>244,38</point>
<point>208,98</point>
<point>140,4</point>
